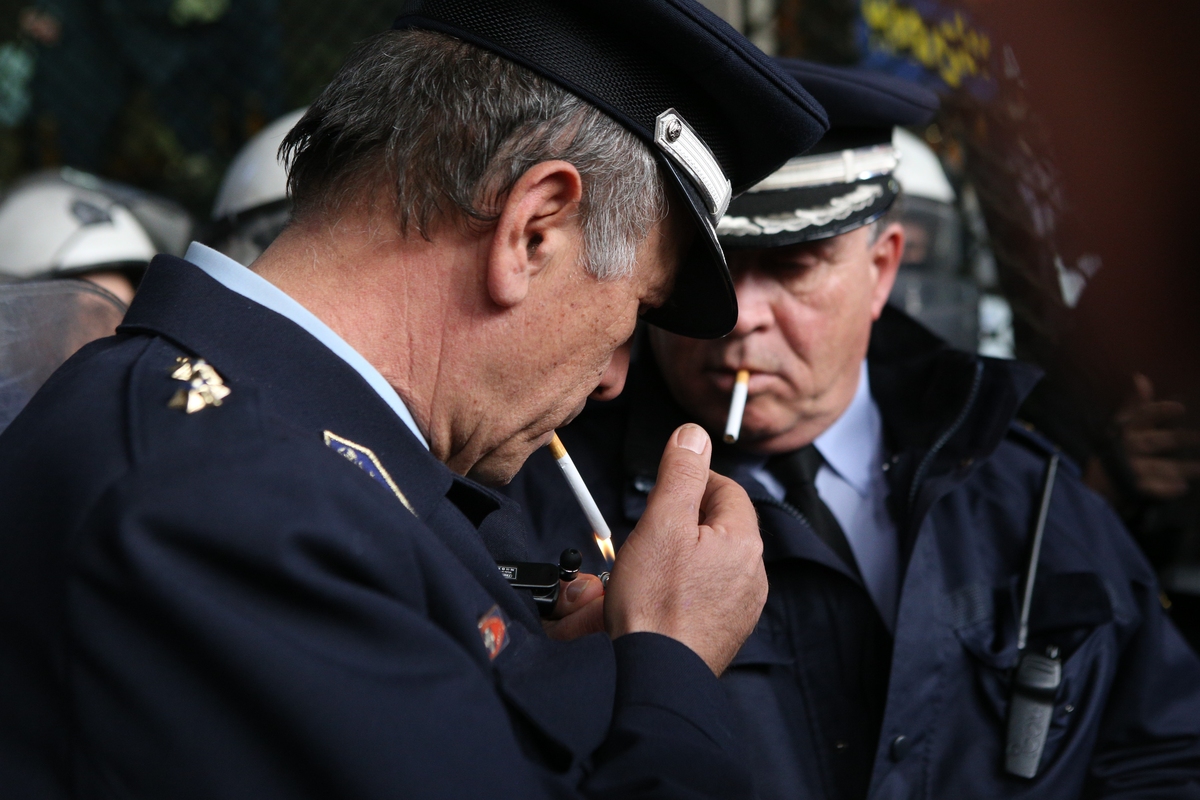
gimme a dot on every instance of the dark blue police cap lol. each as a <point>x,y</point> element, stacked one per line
<point>717,113</point>
<point>846,180</point>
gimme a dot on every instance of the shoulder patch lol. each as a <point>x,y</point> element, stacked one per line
<point>365,459</point>
<point>493,629</point>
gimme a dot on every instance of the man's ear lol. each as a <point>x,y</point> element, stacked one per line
<point>886,254</point>
<point>538,224</point>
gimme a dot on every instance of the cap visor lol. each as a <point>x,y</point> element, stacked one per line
<point>702,304</point>
<point>792,216</point>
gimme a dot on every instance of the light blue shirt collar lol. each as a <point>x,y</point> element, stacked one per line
<point>236,278</point>
<point>851,446</point>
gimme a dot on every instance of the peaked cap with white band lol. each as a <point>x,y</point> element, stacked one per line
<point>846,180</point>
<point>717,113</point>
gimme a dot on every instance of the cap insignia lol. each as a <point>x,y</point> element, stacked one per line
<point>675,137</point>
<point>366,460</point>
<point>204,386</point>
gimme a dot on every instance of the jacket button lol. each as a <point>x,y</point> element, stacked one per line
<point>900,747</point>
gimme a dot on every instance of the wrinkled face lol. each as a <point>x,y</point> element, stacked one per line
<point>804,322</point>
<point>572,346</point>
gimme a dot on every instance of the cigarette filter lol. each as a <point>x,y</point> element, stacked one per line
<point>737,406</point>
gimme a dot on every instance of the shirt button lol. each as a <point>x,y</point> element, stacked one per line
<point>900,747</point>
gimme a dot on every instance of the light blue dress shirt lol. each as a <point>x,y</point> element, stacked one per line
<point>852,484</point>
<point>236,278</point>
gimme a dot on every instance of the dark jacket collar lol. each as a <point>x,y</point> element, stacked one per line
<point>943,409</point>
<point>299,379</point>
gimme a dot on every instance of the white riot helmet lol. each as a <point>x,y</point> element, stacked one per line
<point>252,204</point>
<point>930,215</point>
<point>935,285</point>
<point>51,226</point>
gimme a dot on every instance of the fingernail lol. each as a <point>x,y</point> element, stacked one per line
<point>692,437</point>
<point>574,589</point>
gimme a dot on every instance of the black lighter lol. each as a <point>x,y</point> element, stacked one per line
<point>542,579</point>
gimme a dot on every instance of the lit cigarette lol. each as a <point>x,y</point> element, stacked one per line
<point>584,497</point>
<point>737,406</point>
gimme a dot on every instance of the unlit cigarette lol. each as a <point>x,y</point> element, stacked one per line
<point>579,488</point>
<point>737,406</point>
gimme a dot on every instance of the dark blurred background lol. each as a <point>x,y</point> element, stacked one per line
<point>162,93</point>
<point>1067,134</point>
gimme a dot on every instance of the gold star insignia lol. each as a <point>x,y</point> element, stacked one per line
<point>205,387</point>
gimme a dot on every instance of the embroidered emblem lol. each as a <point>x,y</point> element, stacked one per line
<point>205,387</point>
<point>365,459</point>
<point>493,629</point>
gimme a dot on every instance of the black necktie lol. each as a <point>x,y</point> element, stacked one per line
<point>797,471</point>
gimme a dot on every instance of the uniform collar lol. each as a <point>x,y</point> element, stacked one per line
<point>302,383</point>
<point>251,285</point>
<point>852,444</point>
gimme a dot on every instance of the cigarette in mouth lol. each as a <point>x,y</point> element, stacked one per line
<point>584,497</point>
<point>737,406</point>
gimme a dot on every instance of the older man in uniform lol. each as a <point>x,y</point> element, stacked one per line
<point>244,550</point>
<point>906,649</point>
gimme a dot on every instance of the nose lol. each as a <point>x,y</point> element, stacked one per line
<point>754,296</point>
<point>613,379</point>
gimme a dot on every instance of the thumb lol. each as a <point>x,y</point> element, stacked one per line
<point>1143,386</point>
<point>682,479</point>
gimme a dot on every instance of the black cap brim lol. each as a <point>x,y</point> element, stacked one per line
<point>702,304</point>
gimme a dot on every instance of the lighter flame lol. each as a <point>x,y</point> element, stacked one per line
<point>606,549</point>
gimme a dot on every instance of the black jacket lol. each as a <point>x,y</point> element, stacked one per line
<point>832,705</point>
<point>221,604</point>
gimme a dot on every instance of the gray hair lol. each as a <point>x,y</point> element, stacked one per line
<point>452,127</point>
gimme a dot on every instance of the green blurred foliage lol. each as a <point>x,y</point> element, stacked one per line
<point>174,87</point>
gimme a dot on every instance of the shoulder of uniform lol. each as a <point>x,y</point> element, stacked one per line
<point>1025,434</point>
<point>180,400</point>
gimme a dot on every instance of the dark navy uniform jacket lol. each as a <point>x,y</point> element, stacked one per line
<point>219,604</point>
<point>834,706</point>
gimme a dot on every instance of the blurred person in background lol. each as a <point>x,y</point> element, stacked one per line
<point>252,204</point>
<point>62,224</point>
<point>899,501</point>
<point>72,251</point>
